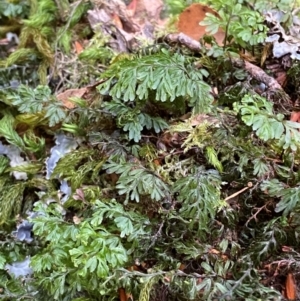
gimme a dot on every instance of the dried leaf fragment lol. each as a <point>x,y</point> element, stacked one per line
<point>65,96</point>
<point>290,287</point>
<point>78,47</point>
<point>122,294</point>
<point>295,116</point>
<point>131,8</point>
<point>189,21</point>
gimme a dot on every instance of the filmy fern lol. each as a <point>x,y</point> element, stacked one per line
<point>134,121</point>
<point>199,194</point>
<point>257,112</point>
<point>89,248</point>
<point>136,181</point>
<point>38,100</point>
<point>289,196</point>
<point>243,24</point>
<point>134,82</point>
<point>137,78</point>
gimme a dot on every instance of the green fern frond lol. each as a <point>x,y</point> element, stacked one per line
<point>38,100</point>
<point>136,181</point>
<point>29,100</point>
<point>199,194</point>
<point>258,112</point>
<point>158,73</point>
<point>133,121</point>
<point>55,113</point>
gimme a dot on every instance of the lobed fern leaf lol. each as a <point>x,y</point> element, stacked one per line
<point>134,79</point>
<point>136,181</point>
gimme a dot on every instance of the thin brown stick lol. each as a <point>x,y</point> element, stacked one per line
<point>258,210</point>
<point>239,192</point>
<point>259,74</point>
<point>185,40</point>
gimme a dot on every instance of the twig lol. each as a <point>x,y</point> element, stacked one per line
<point>283,262</point>
<point>154,238</point>
<point>184,40</point>
<point>273,160</point>
<point>254,216</point>
<point>239,192</point>
<point>259,74</point>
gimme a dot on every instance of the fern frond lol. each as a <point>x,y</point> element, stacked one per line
<point>136,181</point>
<point>38,100</point>
<point>158,73</point>
<point>133,121</point>
<point>199,194</point>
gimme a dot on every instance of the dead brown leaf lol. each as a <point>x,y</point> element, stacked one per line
<point>290,287</point>
<point>76,220</point>
<point>66,95</point>
<point>214,251</point>
<point>78,47</point>
<point>122,294</point>
<point>281,78</point>
<point>131,8</point>
<point>149,11</point>
<point>189,22</point>
<point>117,21</point>
<point>126,27</point>
<point>295,116</point>
<point>201,118</point>
<point>182,266</point>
